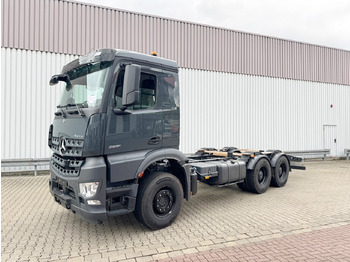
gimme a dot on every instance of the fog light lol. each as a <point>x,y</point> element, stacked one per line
<point>94,202</point>
<point>88,189</point>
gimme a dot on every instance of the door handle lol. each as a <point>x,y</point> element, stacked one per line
<point>154,140</point>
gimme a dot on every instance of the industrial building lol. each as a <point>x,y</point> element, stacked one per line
<point>237,89</point>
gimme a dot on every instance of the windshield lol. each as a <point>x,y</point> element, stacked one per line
<point>86,87</point>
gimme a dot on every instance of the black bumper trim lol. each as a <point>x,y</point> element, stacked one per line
<point>68,202</point>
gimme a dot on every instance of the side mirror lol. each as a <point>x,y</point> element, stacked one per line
<point>65,78</point>
<point>131,86</point>
<point>54,80</point>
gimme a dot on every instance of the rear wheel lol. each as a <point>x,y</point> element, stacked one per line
<point>258,180</point>
<point>242,186</point>
<point>281,172</point>
<point>159,200</point>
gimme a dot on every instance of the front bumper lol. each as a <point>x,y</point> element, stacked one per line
<point>65,190</point>
<point>114,201</point>
<point>93,215</point>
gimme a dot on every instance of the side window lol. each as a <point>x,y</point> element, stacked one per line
<point>148,84</point>
<point>147,91</point>
<point>166,95</point>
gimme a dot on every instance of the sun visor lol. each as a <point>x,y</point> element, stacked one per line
<point>93,57</point>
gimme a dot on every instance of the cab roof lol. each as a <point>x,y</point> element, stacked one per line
<point>146,57</point>
<point>109,55</point>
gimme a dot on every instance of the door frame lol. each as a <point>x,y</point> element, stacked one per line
<point>332,153</point>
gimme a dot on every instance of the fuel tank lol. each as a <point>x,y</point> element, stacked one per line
<point>220,172</point>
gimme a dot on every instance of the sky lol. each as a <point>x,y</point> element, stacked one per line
<point>319,22</point>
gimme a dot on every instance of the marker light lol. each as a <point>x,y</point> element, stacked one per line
<point>94,202</point>
<point>154,53</point>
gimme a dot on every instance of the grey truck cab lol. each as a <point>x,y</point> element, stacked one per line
<point>115,143</point>
<point>118,122</point>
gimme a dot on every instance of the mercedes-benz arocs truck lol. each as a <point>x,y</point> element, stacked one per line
<point>115,142</point>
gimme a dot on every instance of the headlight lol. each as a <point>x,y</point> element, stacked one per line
<point>88,189</point>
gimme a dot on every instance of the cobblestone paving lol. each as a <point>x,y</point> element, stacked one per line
<point>331,244</point>
<point>35,228</point>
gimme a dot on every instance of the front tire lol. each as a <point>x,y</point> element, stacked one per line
<point>159,200</point>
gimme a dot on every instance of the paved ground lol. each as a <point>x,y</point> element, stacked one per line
<point>331,244</point>
<point>309,219</point>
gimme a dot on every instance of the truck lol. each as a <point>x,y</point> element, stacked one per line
<point>115,143</point>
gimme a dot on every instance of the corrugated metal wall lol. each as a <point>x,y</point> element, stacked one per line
<point>27,101</point>
<point>217,109</point>
<point>222,109</point>
<point>236,87</point>
<point>69,27</point>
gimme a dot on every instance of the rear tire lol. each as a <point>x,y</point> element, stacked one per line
<point>259,179</point>
<point>159,200</point>
<point>242,186</point>
<point>281,172</point>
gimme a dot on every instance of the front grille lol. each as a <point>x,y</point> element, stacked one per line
<point>66,166</point>
<point>73,147</point>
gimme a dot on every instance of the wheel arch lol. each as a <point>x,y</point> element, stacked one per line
<point>276,157</point>
<point>178,166</point>
<point>252,163</point>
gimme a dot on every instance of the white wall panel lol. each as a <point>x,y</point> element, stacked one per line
<point>217,109</point>
<point>222,109</point>
<point>28,102</point>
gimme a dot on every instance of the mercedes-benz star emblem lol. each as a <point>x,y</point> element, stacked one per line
<point>63,148</point>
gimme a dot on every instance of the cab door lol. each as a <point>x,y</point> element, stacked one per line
<point>139,127</point>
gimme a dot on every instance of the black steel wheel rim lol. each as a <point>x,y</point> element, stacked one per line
<point>282,170</point>
<point>163,202</point>
<point>262,175</point>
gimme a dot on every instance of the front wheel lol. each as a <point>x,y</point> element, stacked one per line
<point>159,200</point>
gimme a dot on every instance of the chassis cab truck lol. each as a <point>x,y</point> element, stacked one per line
<point>115,143</point>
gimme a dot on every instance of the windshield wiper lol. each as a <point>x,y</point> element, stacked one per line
<point>78,106</point>
<point>60,113</point>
